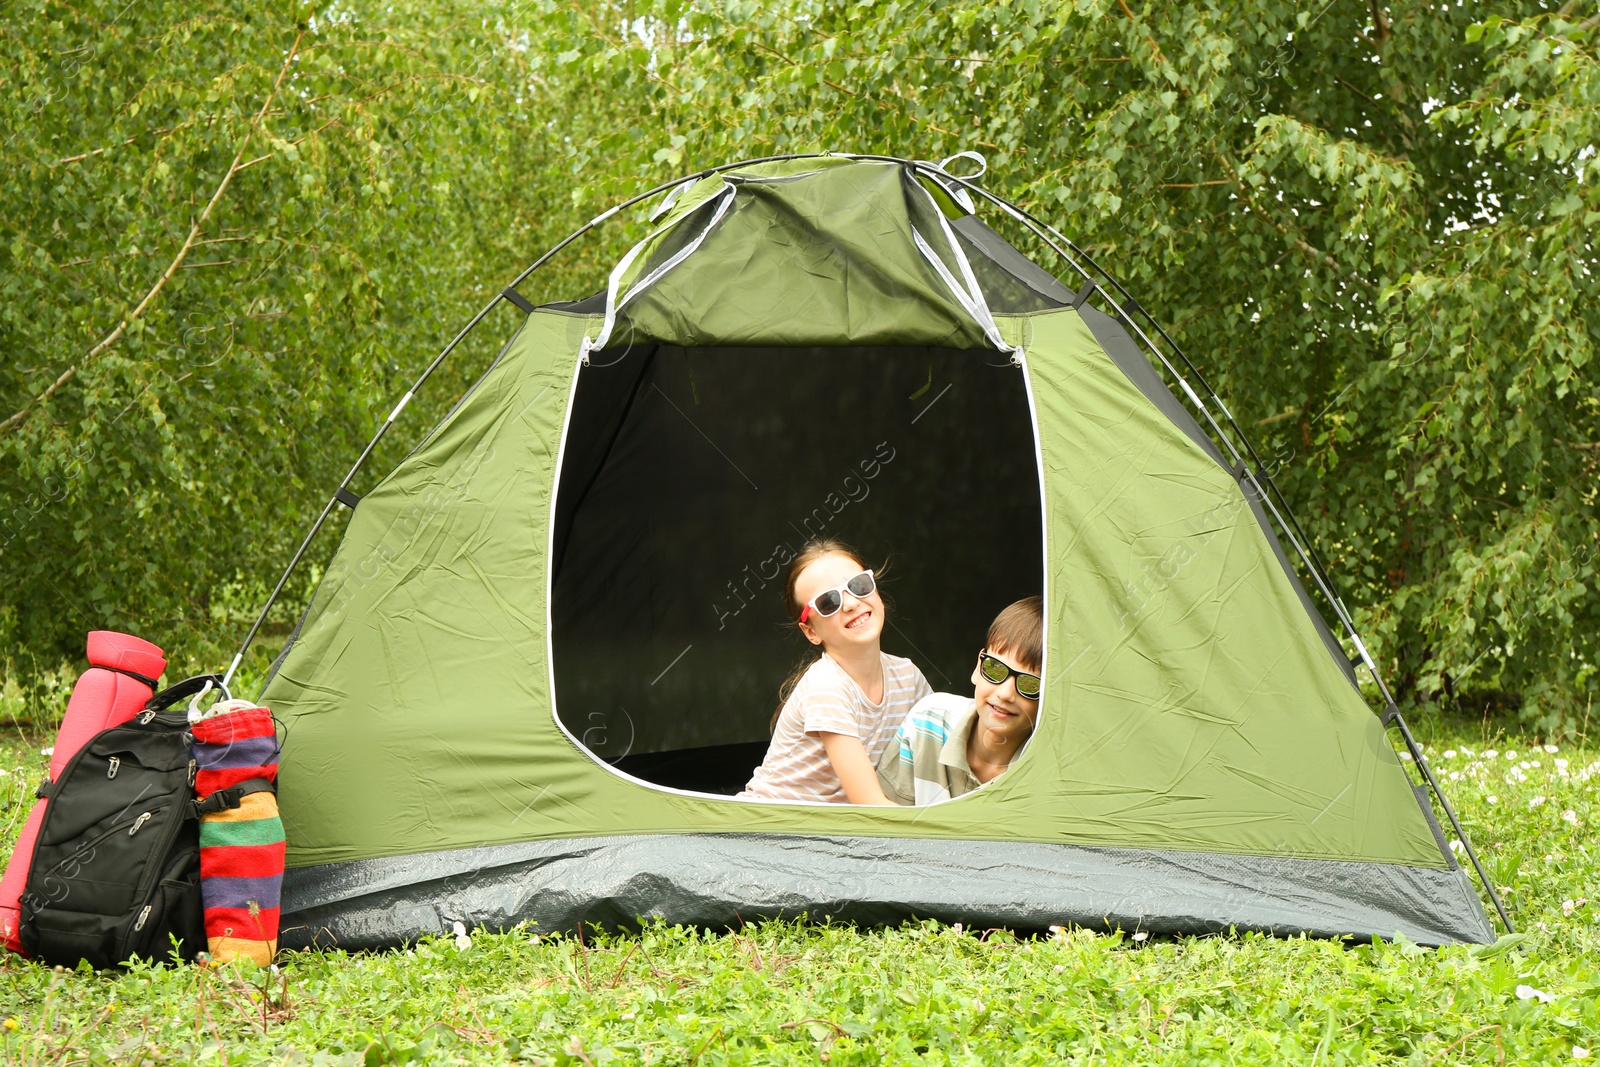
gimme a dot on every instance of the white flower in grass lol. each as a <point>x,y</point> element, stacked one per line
<point>1551,749</point>
<point>1528,992</point>
<point>51,751</point>
<point>1406,756</point>
<point>1511,755</point>
<point>1570,906</point>
<point>1449,753</point>
<point>1525,765</point>
<point>1492,798</point>
<point>1561,767</point>
<point>4,773</point>
<point>1455,776</point>
<point>1490,753</point>
<point>1570,816</point>
<point>463,939</point>
<point>1579,1052</point>
<point>1456,846</point>
<point>1535,802</point>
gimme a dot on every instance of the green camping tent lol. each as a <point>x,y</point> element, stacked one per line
<point>549,645</point>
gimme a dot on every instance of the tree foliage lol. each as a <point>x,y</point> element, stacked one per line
<point>228,239</point>
<point>1369,225</point>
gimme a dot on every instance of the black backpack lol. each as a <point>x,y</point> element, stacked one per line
<point>116,869</point>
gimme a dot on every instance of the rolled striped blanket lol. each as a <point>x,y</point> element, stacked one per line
<point>241,848</point>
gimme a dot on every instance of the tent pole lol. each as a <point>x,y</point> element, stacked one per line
<point>344,484</point>
<point>1455,823</point>
<point>1039,227</point>
<point>1286,520</point>
<point>1265,484</point>
<point>1302,544</point>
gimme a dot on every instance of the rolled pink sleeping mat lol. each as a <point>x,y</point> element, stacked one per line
<point>121,677</point>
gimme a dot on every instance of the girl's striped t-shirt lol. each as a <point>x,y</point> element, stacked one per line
<point>827,700</point>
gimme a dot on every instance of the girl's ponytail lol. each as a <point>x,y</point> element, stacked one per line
<point>809,553</point>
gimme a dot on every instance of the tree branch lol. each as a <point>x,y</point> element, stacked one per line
<point>177,261</point>
<point>98,151</point>
<point>1155,49</point>
<point>1380,25</point>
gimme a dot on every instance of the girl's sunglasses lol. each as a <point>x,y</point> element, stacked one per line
<point>829,601</point>
<point>1028,685</point>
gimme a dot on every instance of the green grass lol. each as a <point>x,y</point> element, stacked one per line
<point>785,992</point>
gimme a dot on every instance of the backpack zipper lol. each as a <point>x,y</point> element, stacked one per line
<point>140,821</point>
<point>149,880</point>
<point>46,825</point>
<point>116,765</point>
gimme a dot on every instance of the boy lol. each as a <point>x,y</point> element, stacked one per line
<point>949,745</point>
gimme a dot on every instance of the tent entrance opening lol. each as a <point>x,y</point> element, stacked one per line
<point>691,476</point>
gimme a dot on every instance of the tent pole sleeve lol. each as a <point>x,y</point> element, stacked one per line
<point>1450,813</point>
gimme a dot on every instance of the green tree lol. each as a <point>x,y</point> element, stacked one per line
<point>229,237</point>
<point>1369,225</point>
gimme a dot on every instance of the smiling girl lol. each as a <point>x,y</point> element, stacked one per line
<point>844,709</point>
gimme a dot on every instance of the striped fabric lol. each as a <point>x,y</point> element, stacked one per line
<point>241,849</point>
<point>927,761</point>
<point>826,700</point>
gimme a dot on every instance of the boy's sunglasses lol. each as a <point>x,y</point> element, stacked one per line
<point>1028,685</point>
<point>829,601</point>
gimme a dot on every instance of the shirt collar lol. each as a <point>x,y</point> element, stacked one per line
<point>954,752</point>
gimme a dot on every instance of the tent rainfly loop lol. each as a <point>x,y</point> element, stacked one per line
<point>976,157</point>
